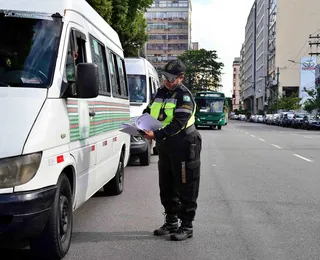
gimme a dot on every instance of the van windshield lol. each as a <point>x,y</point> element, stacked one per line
<point>138,88</point>
<point>28,50</point>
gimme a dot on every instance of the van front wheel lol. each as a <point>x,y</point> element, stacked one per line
<point>55,240</point>
<point>115,186</point>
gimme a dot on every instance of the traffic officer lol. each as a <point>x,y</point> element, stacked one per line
<point>179,146</point>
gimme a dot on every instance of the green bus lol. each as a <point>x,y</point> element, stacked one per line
<point>212,109</point>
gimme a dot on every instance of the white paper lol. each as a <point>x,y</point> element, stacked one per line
<point>143,122</point>
<point>130,129</point>
<point>147,122</point>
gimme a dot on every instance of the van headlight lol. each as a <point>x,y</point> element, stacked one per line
<point>221,119</point>
<point>18,170</point>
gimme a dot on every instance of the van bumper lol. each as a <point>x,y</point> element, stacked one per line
<point>24,215</point>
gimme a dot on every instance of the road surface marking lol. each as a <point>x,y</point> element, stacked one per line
<point>294,134</point>
<point>276,146</point>
<point>252,135</point>
<point>213,165</point>
<point>247,133</point>
<point>305,136</point>
<point>262,140</point>
<point>303,158</point>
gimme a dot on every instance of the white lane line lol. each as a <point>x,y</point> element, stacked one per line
<point>252,135</point>
<point>247,133</point>
<point>303,158</point>
<point>262,140</point>
<point>309,137</point>
<point>276,146</point>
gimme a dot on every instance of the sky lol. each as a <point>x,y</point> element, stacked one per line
<point>220,25</point>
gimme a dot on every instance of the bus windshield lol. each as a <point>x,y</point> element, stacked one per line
<point>28,50</point>
<point>210,105</point>
<point>138,88</point>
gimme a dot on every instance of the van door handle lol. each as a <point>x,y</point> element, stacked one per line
<point>92,113</point>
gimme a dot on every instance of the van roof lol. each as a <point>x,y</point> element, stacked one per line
<point>138,66</point>
<point>62,6</point>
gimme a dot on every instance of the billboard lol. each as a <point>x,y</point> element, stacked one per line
<point>308,69</point>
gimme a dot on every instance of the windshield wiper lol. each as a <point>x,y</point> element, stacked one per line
<point>2,84</point>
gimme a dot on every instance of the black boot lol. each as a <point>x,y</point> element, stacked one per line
<point>185,231</point>
<point>171,225</point>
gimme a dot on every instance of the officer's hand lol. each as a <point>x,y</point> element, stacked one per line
<point>148,134</point>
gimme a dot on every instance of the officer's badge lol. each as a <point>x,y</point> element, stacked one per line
<point>186,98</point>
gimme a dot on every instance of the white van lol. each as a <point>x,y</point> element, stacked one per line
<point>143,83</point>
<point>63,97</point>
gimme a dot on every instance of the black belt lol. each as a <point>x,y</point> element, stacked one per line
<point>190,129</point>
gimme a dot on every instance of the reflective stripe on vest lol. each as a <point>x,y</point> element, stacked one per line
<point>169,109</point>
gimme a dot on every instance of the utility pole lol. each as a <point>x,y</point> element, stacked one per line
<point>314,41</point>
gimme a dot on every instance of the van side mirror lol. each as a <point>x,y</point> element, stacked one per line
<point>87,82</point>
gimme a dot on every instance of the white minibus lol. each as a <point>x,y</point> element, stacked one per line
<point>63,97</point>
<point>143,83</point>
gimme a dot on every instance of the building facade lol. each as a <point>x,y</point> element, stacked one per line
<point>281,32</point>
<point>169,30</point>
<point>236,84</point>
<point>249,66</point>
<point>261,76</point>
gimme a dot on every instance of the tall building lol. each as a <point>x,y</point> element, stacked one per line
<point>280,44</point>
<point>261,66</point>
<point>249,66</point>
<point>289,32</point>
<point>241,76</point>
<point>169,30</point>
<point>236,84</point>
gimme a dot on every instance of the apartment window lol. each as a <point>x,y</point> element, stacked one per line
<point>99,58</point>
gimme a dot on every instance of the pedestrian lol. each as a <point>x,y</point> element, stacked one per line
<point>179,146</point>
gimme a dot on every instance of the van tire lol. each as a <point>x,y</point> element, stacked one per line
<point>115,185</point>
<point>219,127</point>
<point>145,156</point>
<point>51,244</point>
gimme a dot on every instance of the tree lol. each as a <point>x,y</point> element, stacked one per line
<point>289,103</point>
<point>203,70</point>
<point>127,18</point>
<point>313,103</point>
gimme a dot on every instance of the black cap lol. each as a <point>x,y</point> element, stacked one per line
<point>174,68</point>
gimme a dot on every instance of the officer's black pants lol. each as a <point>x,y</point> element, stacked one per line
<point>179,174</point>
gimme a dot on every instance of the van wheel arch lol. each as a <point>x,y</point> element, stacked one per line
<point>70,173</point>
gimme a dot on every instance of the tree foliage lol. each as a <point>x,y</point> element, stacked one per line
<point>127,18</point>
<point>285,103</point>
<point>203,69</point>
<point>313,103</point>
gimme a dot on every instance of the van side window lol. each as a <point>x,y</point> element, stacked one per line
<point>99,58</point>
<point>76,54</point>
<point>150,88</point>
<point>115,82</point>
<point>122,76</point>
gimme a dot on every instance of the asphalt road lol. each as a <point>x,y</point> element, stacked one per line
<point>259,199</point>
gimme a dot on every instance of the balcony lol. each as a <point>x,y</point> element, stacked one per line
<point>165,52</point>
<point>164,31</point>
<point>168,20</point>
<point>180,41</point>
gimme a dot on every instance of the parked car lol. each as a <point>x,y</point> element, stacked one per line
<point>311,122</point>
<point>287,119</point>
<point>297,120</point>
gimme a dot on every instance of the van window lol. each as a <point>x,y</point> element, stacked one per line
<point>99,58</point>
<point>76,54</point>
<point>122,77</point>
<point>29,49</point>
<point>115,81</point>
<point>138,88</point>
<point>151,88</point>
